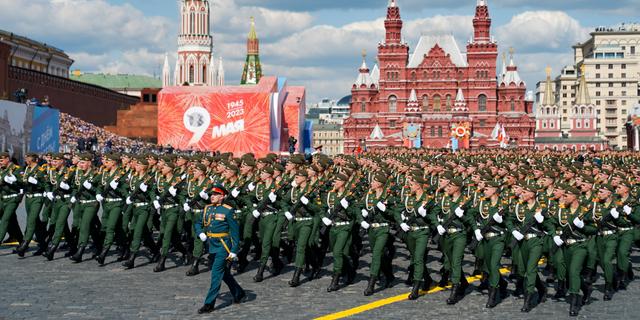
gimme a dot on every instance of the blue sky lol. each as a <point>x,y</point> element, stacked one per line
<point>316,43</point>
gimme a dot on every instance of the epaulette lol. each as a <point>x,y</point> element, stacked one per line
<point>41,169</point>
<point>16,166</point>
<point>226,205</point>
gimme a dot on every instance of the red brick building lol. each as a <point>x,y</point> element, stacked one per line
<point>438,87</point>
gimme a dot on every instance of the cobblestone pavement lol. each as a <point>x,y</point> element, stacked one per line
<point>35,288</point>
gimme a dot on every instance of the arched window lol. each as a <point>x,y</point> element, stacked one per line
<point>191,74</point>
<point>578,122</point>
<point>425,102</point>
<point>204,74</point>
<point>393,104</point>
<point>513,104</point>
<point>482,102</point>
<point>413,76</point>
<point>363,106</point>
<point>433,131</point>
<point>436,103</point>
<point>551,124</point>
<point>425,74</point>
<point>448,103</point>
<point>586,124</point>
<point>439,131</point>
<point>192,23</point>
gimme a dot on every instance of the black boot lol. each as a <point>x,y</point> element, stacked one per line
<point>622,284</point>
<point>484,284</point>
<point>519,286</point>
<point>243,263</point>
<point>103,256</point>
<point>561,290</point>
<point>194,267</point>
<point>409,280</point>
<point>77,258</point>
<point>22,248</point>
<point>493,298</point>
<point>371,285</point>
<point>552,275</point>
<point>587,289</point>
<point>51,252</point>
<point>160,266</point>
<point>129,264</point>
<point>389,278</point>
<point>259,276</point>
<point>295,281</point>
<point>415,291</point>
<point>125,253</point>
<point>427,281</point>
<point>277,263</point>
<point>41,250</point>
<point>335,282</point>
<point>207,308</point>
<point>608,292</point>
<point>444,281</point>
<point>240,297</point>
<point>526,306</point>
<point>542,290</point>
<point>188,260</point>
<point>503,284</point>
<point>574,302</point>
<point>453,296</point>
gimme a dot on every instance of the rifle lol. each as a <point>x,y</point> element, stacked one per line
<point>487,227</point>
<point>133,195</point>
<point>532,222</point>
<point>296,206</point>
<point>332,214</point>
<point>450,219</point>
<point>263,204</point>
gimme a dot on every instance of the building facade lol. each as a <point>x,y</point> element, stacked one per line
<point>611,62</point>
<point>330,137</point>
<point>420,90</point>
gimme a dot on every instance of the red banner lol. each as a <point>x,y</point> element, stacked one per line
<point>199,119</point>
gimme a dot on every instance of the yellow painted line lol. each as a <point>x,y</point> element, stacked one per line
<point>9,244</point>
<point>401,297</point>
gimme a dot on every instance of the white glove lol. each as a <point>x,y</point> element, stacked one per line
<point>614,213</point>
<point>578,222</point>
<point>256,214</point>
<point>173,191</point>
<point>232,256</point>
<point>516,234</point>
<point>32,180</point>
<point>113,184</point>
<point>183,176</point>
<point>403,217</point>
<point>327,221</point>
<point>304,200</point>
<point>99,197</point>
<point>381,206</point>
<point>405,227</point>
<point>87,185</point>
<point>364,225</point>
<point>128,201</point>
<point>344,203</point>
<point>558,241</point>
<point>478,234</point>
<point>272,197</point>
<point>203,237</point>
<point>441,230</point>
<point>156,204</point>
<point>235,192</point>
<point>7,180</point>
<point>422,212</point>
<point>627,209</point>
<point>497,218</point>
<point>288,215</point>
<point>204,195</point>
<point>73,200</point>
<point>459,212</point>
<point>64,185</point>
<point>186,207</point>
<point>143,187</point>
<point>50,196</point>
<point>538,217</point>
<point>364,213</point>
<point>21,191</point>
<point>251,186</point>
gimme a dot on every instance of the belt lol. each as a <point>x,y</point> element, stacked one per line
<point>490,235</point>
<point>303,219</point>
<point>66,196</point>
<point>87,201</point>
<point>33,195</point>
<point>625,229</point>
<point>112,199</point>
<point>379,225</point>
<point>453,230</point>
<point>9,196</point>
<point>140,204</point>
<point>338,224</point>
<point>217,235</point>
<point>169,206</point>
<point>238,211</point>
<point>264,214</point>
<point>198,210</point>
<point>572,241</point>
<point>530,236</point>
<point>416,228</point>
<point>559,233</point>
<point>606,232</point>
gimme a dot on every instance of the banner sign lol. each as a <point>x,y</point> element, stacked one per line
<point>45,130</point>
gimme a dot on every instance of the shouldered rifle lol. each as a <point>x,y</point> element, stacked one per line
<point>333,212</point>
<point>447,223</point>
<point>266,201</point>
<point>310,195</point>
<point>487,227</point>
<point>525,229</point>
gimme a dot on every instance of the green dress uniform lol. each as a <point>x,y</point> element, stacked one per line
<point>195,205</point>
<point>113,189</point>
<point>33,184</point>
<point>10,195</point>
<point>493,222</point>
<point>629,216</point>
<point>60,184</point>
<point>339,217</point>
<point>169,196</point>
<point>87,206</point>
<point>606,239</point>
<point>140,198</point>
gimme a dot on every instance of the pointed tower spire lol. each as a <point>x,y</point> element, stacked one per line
<point>176,73</point>
<point>364,78</point>
<point>393,24</point>
<point>582,97</point>
<point>213,75</point>
<point>459,96</point>
<point>220,79</point>
<point>549,99</point>
<point>482,23</point>
<point>376,134</point>
<point>252,71</point>
<point>504,64</point>
<point>392,3</point>
<point>166,72</point>
<point>412,104</point>
<point>460,104</point>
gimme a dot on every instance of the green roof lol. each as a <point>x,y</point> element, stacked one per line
<point>118,81</point>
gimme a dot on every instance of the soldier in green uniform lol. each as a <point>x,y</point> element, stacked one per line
<point>60,184</point>
<point>604,214</point>
<point>196,193</point>
<point>10,192</point>
<point>629,216</point>
<point>112,188</point>
<point>376,217</point>
<point>33,184</point>
<point>217,226</point>
<point>86,200</point>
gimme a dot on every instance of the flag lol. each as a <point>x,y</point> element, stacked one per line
<point>503,138</point>
<point>496,131</point>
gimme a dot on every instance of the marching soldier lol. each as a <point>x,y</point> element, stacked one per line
<point>195,202</point>
<point>10,192</point>
<point>112,187</point>
<point>86,201</point>
<point>33,185</point>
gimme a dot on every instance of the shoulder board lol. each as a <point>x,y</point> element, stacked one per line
<point>227,206</point>
<point>41,169</point>
<point>16,167</point>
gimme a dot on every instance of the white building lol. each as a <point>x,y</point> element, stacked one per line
<point>30,54</point>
